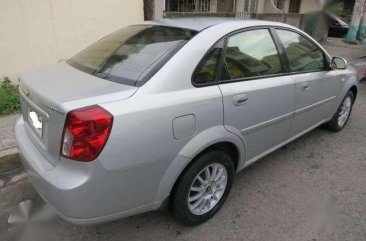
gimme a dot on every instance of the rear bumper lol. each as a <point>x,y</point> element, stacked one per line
<point>86,193</point>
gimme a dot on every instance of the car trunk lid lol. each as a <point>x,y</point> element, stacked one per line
<point>47,94</point>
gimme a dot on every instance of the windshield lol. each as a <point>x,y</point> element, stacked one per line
<point>133,54</point>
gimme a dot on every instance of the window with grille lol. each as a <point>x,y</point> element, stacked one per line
<point>204,5</point>
<point>171,6</point>
<point>280,4</point>
<point>188,5</point>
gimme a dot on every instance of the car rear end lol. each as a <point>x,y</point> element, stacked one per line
<point>60,136</point>
<point>66,122</point>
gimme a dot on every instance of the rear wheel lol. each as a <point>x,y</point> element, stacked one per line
<point>203,188</point>
<point>341,117</point>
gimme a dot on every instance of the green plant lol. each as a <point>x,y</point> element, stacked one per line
<point>9,97</point>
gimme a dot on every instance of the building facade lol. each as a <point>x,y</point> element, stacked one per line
<point>37,33</point>
<point>245,6</point>
<point>304,14</point>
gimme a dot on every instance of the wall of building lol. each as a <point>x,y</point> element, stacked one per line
<point>225,6</point>
<point>270,8</point>
<point>159,8</point>
<point>239,6</point>
<point>37,33</point>
<point>213,6</point>
<point>309,6</point>
<point>260,6</point>
<point>263,6</point>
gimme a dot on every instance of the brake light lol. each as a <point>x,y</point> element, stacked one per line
<point>86,132</point>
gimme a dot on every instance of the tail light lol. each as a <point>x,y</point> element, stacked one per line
<point>86,132</point>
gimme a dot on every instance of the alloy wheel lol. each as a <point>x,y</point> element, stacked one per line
<point>207,188</point>
<point>344,111</point>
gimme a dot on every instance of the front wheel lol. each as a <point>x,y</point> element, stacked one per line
<point>203,188</point>
<point>341,117</point>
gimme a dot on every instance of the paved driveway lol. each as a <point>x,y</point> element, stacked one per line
<point>312,189</point>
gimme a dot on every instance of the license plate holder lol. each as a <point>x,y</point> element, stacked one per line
<point>35,120</point>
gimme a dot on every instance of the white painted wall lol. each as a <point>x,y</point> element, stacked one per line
<point>34,33</point>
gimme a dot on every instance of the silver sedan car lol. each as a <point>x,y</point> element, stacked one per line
<point>164,113</point>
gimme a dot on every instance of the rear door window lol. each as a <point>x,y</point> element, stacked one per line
<point>250,54</point>
<point>206,71</point>
<point>131,55</point>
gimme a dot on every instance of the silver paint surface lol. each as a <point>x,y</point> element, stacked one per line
<point>145,154</point>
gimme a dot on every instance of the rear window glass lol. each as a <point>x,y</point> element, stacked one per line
<point>131,55</point>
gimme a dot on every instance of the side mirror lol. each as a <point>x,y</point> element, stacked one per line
<point>338,63</point>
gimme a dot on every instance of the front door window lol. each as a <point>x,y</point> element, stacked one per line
<point>302,54</point>
<point>250,6</point>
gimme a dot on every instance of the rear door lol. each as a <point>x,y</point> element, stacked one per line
<point>316,85</point>
<point>258,97</point>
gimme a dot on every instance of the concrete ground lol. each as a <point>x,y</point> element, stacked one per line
<point>7,140</point>
<point>354,54</point>
<point>337,47</point>
<point>310,190</point>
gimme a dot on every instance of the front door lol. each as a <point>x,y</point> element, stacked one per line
<point>258,99</point>
<point>316,85</point>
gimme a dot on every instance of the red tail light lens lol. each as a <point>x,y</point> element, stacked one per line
<point>86,132</point>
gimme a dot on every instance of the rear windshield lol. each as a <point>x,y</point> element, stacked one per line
<point>133,54</point>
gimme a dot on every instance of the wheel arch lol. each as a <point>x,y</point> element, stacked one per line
<point>213,138</point>
<point>350,84</point>
<point>354,90</point>
<point>226,146</point>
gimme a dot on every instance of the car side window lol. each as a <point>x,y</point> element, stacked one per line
<point>302,54</point>
<point>207,70</point>
<point>249,54</point>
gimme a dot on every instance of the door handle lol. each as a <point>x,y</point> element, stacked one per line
<point>240,99</point>
<point>305,86</point>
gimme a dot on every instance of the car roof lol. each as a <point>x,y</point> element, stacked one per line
<point>201,23</point>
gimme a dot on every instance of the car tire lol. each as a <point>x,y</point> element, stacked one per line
<point>211,190</point>
<point>341,117</point>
